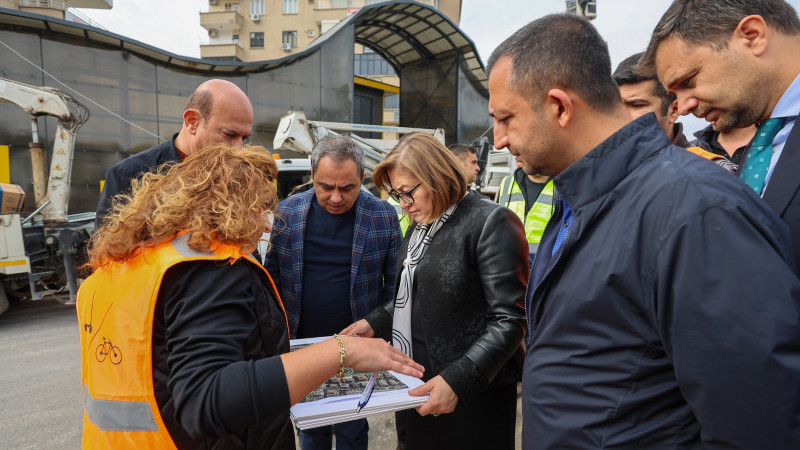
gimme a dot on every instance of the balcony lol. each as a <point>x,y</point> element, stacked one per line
<point>222,51</point>
<point>62,5</point>
<point>221,20</point>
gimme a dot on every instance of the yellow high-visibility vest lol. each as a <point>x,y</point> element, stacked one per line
<point>537,217</point>
<point>401,216</point>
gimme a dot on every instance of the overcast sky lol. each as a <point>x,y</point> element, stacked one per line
<point>174,25</point>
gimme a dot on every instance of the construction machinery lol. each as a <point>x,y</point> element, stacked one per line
<point>298,134</point>
<point>39,253</point>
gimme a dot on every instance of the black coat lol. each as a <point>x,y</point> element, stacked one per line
<point>469,285</point>
<point>219,383</point>
<point>670,318</point>
<point>119,176</point>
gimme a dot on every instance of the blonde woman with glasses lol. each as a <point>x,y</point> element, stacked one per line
<point>462,272</point>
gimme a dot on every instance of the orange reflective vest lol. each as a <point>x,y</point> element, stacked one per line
<point>704,153</point>
<point>115,315</point>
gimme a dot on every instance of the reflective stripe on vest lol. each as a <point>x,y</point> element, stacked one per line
<point>539,214</point>
<point>115,415</point>
<point>115,309</point>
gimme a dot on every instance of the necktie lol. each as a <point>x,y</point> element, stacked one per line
<point>757,164</point>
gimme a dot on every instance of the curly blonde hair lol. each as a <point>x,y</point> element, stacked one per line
<point>220,194</point>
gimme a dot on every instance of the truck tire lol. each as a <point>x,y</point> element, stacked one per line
<point>3,299</point>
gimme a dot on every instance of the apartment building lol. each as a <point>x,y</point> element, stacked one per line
<point>56,8</point>
<point>257,30</point>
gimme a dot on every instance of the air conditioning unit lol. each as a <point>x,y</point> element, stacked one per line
<point>310,33</point>
<point>255,17</point>
<point>212,33</point>
<point>287,47</point>
<point>212,2</point>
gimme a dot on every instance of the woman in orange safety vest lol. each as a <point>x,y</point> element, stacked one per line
<point>183,335</point>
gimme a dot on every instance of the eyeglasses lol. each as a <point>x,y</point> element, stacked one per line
<point>405,196</point>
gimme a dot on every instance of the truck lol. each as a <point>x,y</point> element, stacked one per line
<point>40,252</point>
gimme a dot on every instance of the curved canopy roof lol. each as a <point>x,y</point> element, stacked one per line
<point>402,32</point>
<point>406,32</point>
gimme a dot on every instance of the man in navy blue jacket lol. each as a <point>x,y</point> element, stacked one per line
<point>663,308</point>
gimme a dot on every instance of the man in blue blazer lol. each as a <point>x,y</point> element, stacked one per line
<point>332,258</point>
<point>734,63</point>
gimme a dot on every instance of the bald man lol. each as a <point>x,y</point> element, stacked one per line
<point>218,112</point>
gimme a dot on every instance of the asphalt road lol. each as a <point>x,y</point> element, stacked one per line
<point>40,391</point>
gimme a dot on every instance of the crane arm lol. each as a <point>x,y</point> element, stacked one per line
<point>45,101</point>
<point>36,101</point>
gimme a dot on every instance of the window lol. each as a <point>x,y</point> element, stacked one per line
<point>236,39</point>
<point>257,40</point>
<point>340,4</point>
<point>257,7</point>
<point>366,64</point>
<point>391,101</point>
<point>290,37</point>
<point>290,6</point>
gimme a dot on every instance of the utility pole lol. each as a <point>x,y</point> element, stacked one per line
<point>582,8</point>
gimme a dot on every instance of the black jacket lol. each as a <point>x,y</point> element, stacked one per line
<point>470,285</point>
<point>119,176</point>
<point>680,138</point>
<point>670,318</point>
<point>219,382</point>
<point>782,193</point>
<point>707,139</point>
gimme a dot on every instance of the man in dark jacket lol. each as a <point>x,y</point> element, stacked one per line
<point>218,112</point>
<point>662,306</point>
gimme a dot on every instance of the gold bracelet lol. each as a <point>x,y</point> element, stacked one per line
<point>342,356</point>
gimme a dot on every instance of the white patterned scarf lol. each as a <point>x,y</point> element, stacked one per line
<point>418,244</point>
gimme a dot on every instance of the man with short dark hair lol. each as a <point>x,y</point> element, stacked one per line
<point>469,158</point>
<point>332,257</point>
<point>218,112</point>
<point>642,94</point>
<point>635,341</point>
<point>734,63</point>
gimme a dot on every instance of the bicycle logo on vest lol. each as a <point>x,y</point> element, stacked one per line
<point>108,349</point>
